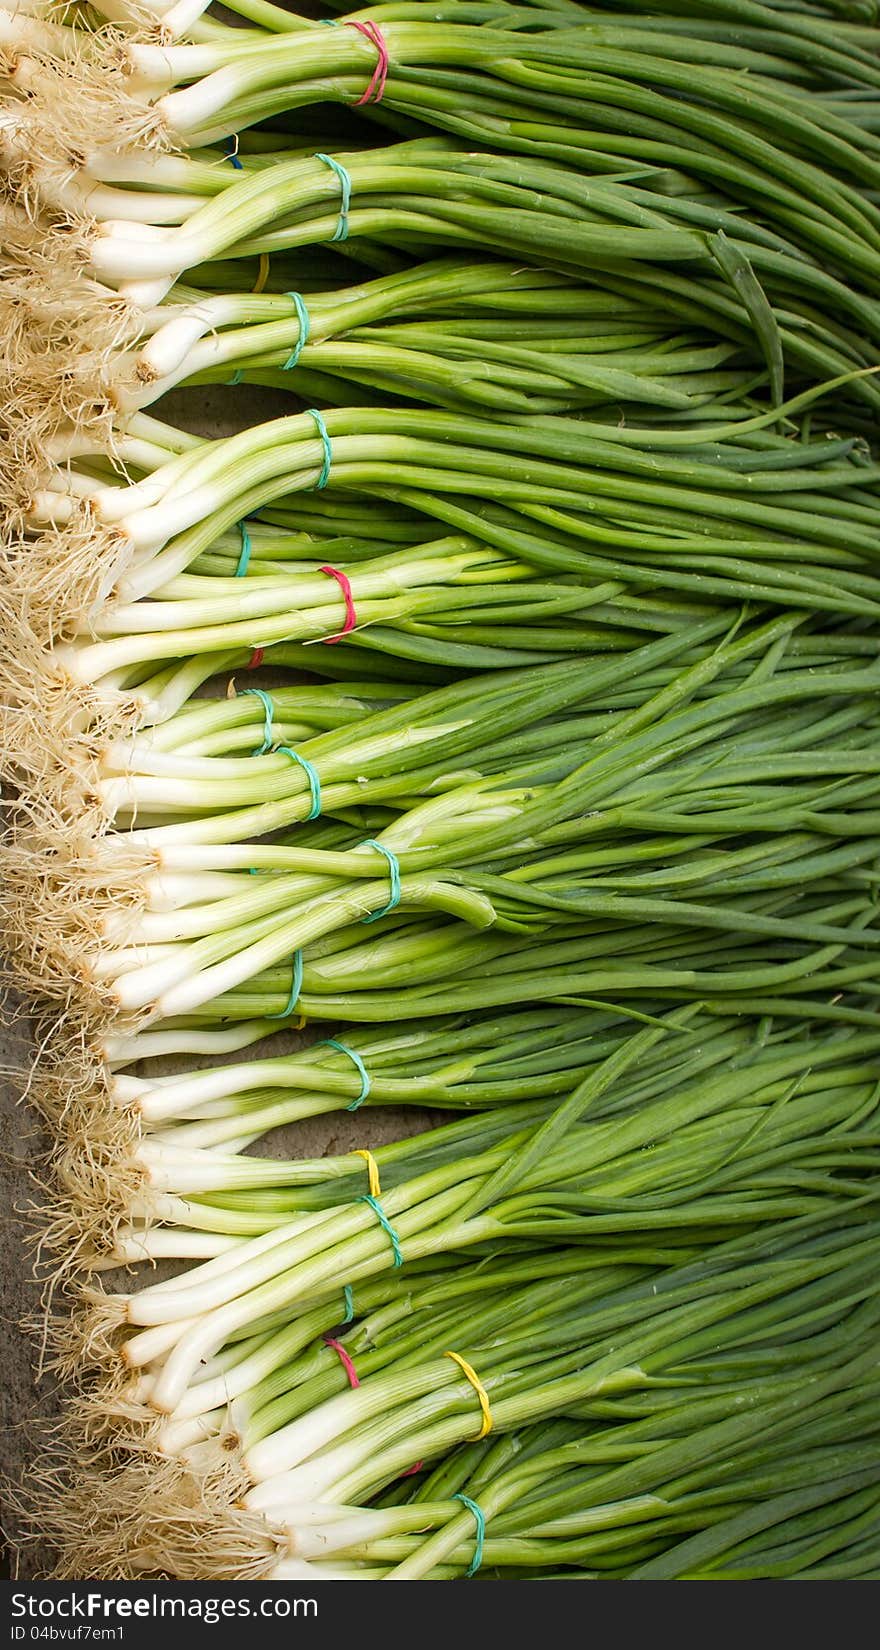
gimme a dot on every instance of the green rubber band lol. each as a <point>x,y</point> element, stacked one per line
<point>295,989</point>
<point>245,556</point>
<point>324,477</point>
<point>311,775</point>
<point>341,231</point>
<point>305,327</point>
<point>269,712</point>
<point>480,1521</point>
<point>348,1297</point>
<point>237,376</point>
<point>385,1224</point>
<point>394,868</point>
<point>333,1042</point>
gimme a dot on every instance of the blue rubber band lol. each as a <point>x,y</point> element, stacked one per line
<point>295,989</point>
<point>333,1042</point>
<point>348,1297</point>
<point>324,477</point>
<point>268,712</point>
<point>480,1521</point>
<point>341,231</point>
<point>237,376</point>
<point>305,327</point>
<point>311,775</point>
<point>230,145</point>
<point>394,868</point>
<point>245,554</point>
<point>386,1225</point>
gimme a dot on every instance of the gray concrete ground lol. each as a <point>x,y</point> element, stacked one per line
<point>24,1400</point>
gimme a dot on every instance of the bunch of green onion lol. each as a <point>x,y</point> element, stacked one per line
<point>505,707</point>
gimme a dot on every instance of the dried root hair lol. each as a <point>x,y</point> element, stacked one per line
<point>89,1174</point>
<point>80,1334</point>
<point>130,1514</point>
<point>54,737</point>
<point>53,582</point>
<point>61,335</point>
<point>69,108</point>
<point>54,907</point>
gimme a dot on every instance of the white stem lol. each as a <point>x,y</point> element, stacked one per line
<point>148,1045</point>
<point>271,1461</point>
<point>177,1436</point>
<point>156,1343</point>
<point>162,1243</point>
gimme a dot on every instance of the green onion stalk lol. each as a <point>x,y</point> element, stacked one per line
<point>579,109</point>
<point>195,1157</point>
<point>738,1134</point>
<point>179,595</point>
<point>707,264</point>
<point>617,1416</point>
<point>497,812</point>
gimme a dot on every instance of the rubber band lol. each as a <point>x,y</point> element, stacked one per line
<point>262,274</point>
<point>230,146</point>
<point>348,1297</point>
<point>344,583</point>
<point>480,1521</point>
<point>237,376</point>
<point>305,327</point>
<point>312,777</point>
<point>372,1170</point>
<point>295,989</point>
<point>386,1225</point>
<point>376,89</point>
<point>324,477</point>
<point>479,1389</point>
<point>394,868</point>
<point>256,659</point>
<point>344,1359</point>
<point>411,1470</point>
<point>268,714</point>
<point>245,555</point>
<point>333,1042</point>
<point>340,233</point>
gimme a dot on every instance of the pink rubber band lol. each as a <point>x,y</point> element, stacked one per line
<point>344,1359</point>
<point>410,1470</point>
<point>350,614</point>
<point>376,89</point>
<point>256,659</point>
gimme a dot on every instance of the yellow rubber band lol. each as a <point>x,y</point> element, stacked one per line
<point>373,1171</point>
<point>479,1389</point>
<point>263,275</point>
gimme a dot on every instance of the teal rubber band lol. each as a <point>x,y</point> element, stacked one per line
<point>245,556</point>
<point>394,868</point>
<point>295,989</point>
<point>480,1521</point>
<point>305,327</point>
<point>237,376</point>
<point>333,1042</point>
<point>311,775</point>
<point>348,1297</point>
<point>341,231</point>
<point>324,477</point>
<point>385,1224</point>
<point>268,712</point>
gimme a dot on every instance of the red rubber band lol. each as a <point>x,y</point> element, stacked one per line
<point>376,89</point>
<point>410,1470</point>
<point>350,614</point>
<point>256,659</point>
<point>344,1359</point>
